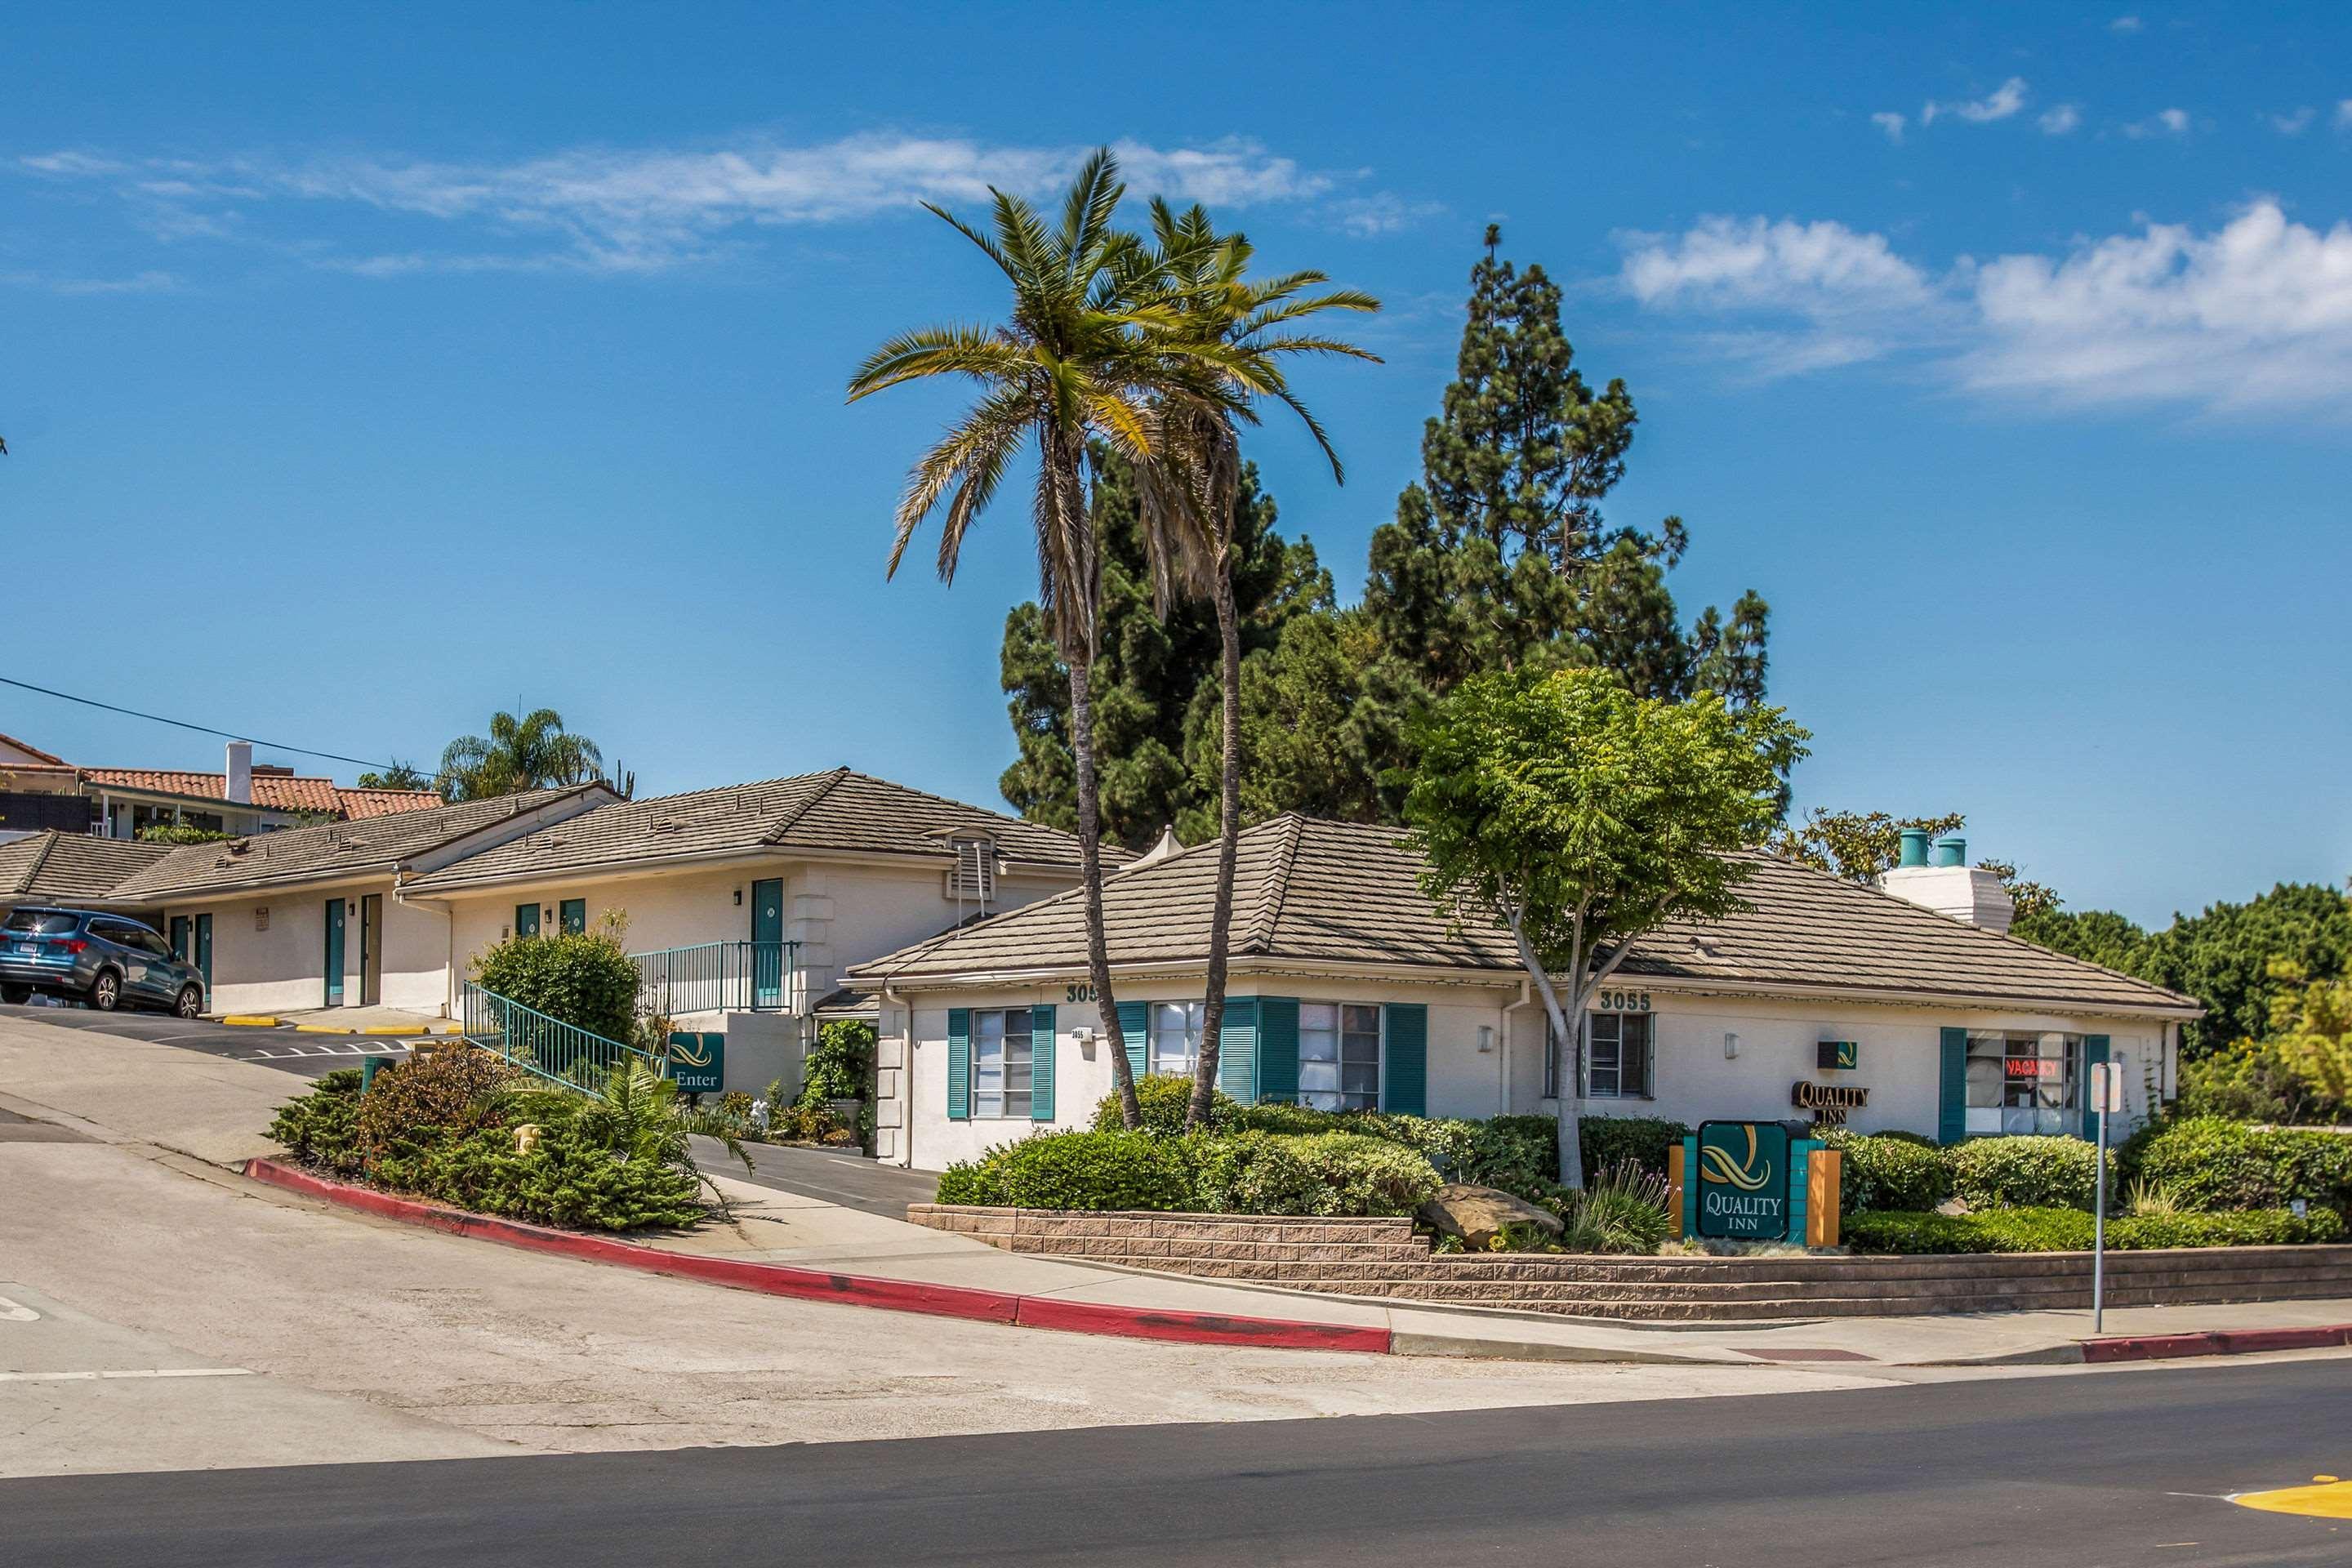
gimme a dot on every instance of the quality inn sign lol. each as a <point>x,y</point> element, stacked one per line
<point>1743,1180</point>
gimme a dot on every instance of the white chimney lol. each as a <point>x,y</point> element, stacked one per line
<point>1940,878</point>
<point>240,772</point>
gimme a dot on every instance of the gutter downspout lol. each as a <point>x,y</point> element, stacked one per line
<point>1526,994</point>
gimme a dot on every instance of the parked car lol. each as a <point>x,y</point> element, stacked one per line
<point>83,956</point>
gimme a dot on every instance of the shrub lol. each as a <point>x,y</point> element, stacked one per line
<point>1319,1173</point>
<point>320,1128</point>
<point>1281,1116</point>
<point>1887,1171</point>
<point>1444,1141</point>
<point>1163,1099</point>
<point>567,1177</point>
<point>1623,1210</point>
<point>1076,1171</point>
<point>838,1064</point>
<point>582,978</point>
<point>419,1104</point>
<point>2209,1164</point>
<point>2070,1230</point>
<point>1609,1141</point>
<point>2025,1173</point>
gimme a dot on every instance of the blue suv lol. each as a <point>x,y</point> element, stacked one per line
<point>107,960</point>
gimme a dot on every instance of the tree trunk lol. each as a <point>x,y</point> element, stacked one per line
<point>1229,834</point>
<point>1082,749</point>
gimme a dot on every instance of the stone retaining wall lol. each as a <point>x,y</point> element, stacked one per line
<point>1383,1258</point>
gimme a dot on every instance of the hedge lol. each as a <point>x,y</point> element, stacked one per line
<point>1115,1170</point>
<point>2211,1163</point>
<point>2070,1230</point>
<point>1246,1173</point>
<point>582,978</point>
<point>1883,1171</point>
<point>2025,1173</point>
<point>1164,1101</point>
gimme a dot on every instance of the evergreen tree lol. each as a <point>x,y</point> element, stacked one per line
<point>1151,672</point>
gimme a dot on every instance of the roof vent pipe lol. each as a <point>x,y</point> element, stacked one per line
<point>1915,847</point>
<point>1951,851</point>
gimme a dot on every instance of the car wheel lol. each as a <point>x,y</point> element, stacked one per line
<point>106,991</point>
<point>16,996</point>
<point>192,1001</point>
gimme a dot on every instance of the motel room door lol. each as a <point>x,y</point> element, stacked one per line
<point>768,943</point>
<point>370,950</point>
<point>334,957</point>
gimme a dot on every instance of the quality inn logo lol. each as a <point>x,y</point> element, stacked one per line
<point>1750,1173</point>
<point>1743,1180</point>
<point>688,1051</point>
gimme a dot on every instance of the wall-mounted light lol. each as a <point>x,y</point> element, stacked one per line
<point>352,908</point>
<point>739,897</point>
<point>1730,1047</point>
<point>1486,1036</point>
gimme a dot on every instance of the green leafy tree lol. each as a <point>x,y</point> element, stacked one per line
<point>1579,816</point>
<point>2225,956</point>
<point>529,751</point>
<point>1156,672</point>
<point>399,776</point>
<point>1862,847</point>
<point>1085,356</point>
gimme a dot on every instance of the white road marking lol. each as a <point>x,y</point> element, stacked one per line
<point>12,1313</point>
<point>143,1372</point>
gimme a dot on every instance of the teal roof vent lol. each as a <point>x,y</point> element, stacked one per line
<point>1915,848</point>
<point>1951,851</point>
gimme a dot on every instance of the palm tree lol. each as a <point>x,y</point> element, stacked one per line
<point>1085,355</point>
<point>1190,489</point>
<point>532,752</point>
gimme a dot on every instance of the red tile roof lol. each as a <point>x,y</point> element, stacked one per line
<point>278,792</point>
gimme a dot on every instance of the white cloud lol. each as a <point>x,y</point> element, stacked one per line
<point>2060,121</point>
<point>1890,122</point>
<point>2344,114</point>
<point>645,209</point>
<point>151,282</point>
<point>2003,101</point>
<point>2163,123</point>
<point>2124,24</point>
<point>1383,211</point>
<point>2255,315</point>
<point>2294,124</point>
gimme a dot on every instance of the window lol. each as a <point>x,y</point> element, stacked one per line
<point>42,922</point>
<point>1617,1056</point>
<point>1339,1056</point>
<point>2022,1083</point>
<point>1175,1032</point>
<point>1000,1063</point>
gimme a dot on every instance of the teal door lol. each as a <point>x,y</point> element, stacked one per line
<point>334,953</point>
<point>575,913</point>
<point>527,919</point>
<point>182,929</point>
<point>768,943</point>
<point>203,959</point>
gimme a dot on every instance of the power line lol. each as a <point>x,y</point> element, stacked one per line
<point>199,729</point>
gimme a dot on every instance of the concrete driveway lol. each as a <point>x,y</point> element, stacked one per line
<point>309,1054</point>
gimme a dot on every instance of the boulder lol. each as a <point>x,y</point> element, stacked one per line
<point>1475,1214</point>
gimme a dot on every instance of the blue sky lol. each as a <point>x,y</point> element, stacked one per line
<point>368,372</point>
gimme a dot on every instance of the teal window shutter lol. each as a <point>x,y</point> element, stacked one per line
<point>1952,1090</point>
<point>1277,1050</point>
<point>960,1064</point>
<point>1131,1020</point>
<point>2094,1054</point>
<point>1040,1064</point>
<point>1237,1049</point>
<point>1404,1067</point>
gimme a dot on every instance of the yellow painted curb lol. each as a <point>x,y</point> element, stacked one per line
<point>389,1029</point>
<point>2326,1497</point>
<point>318,1029</point>
<point>246,1022</point>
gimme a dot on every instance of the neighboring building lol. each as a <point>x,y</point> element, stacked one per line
<point>1347,989</point>
<point>39,789</point>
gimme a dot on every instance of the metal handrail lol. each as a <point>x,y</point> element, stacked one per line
<point>546,1046</point>
<point>717,977</point>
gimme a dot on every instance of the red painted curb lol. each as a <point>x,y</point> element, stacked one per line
<point>2215,1341</point>
<point>856,1290</point>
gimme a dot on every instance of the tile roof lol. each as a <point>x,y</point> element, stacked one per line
<point>332,849</point>
<point>70,866</point>
<point>1342,892</point>
<point>834,810</point>
<point>278,792</point>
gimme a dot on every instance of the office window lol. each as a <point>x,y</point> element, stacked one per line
<point>2022,1083</point>
<point>1617,1056</point>
<point>1340,1056</point>
<point>1175,1037</point>
<point>1000,1063</point>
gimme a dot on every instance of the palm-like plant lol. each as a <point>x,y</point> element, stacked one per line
<point>532,752</point>
<point>1191,487</point>
<point>1091,346</point>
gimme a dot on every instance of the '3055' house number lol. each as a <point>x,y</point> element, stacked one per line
<point>1622,1001</point>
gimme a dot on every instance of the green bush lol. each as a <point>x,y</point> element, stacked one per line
<point>2210,1163</point>
<point>582,978</point>
<point>1883,1171</point>
<point>1607,1141</point>
<point>567,1178</point>
<point>838,1064</point>
<point>418,1105</point>
<point>1282,1116</point>
<point>1076,1171</point>
<point>2024,1173</point>
<point>320,1128</point>
<point>2070,1230</point>
<point>1623,1210</point>
<point>1319,1173</point>
<point>1163,1099</point>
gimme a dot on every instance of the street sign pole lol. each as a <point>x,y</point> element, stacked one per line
<point>2106,1094</point>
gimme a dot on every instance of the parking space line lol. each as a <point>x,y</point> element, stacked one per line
<point>140,1371</point>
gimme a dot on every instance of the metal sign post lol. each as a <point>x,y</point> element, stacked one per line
<point>2107,1095</point>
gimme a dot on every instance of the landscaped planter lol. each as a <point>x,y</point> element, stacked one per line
<point>1383,1258</point>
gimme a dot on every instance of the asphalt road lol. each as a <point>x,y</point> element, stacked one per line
<point>308,1054</point>
<point>2124,1466</point>
<point>852,1181</point>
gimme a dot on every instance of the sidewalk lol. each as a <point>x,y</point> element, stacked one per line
<point>130,1091</point>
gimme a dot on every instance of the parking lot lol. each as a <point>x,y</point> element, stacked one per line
<point>309,1054</point>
